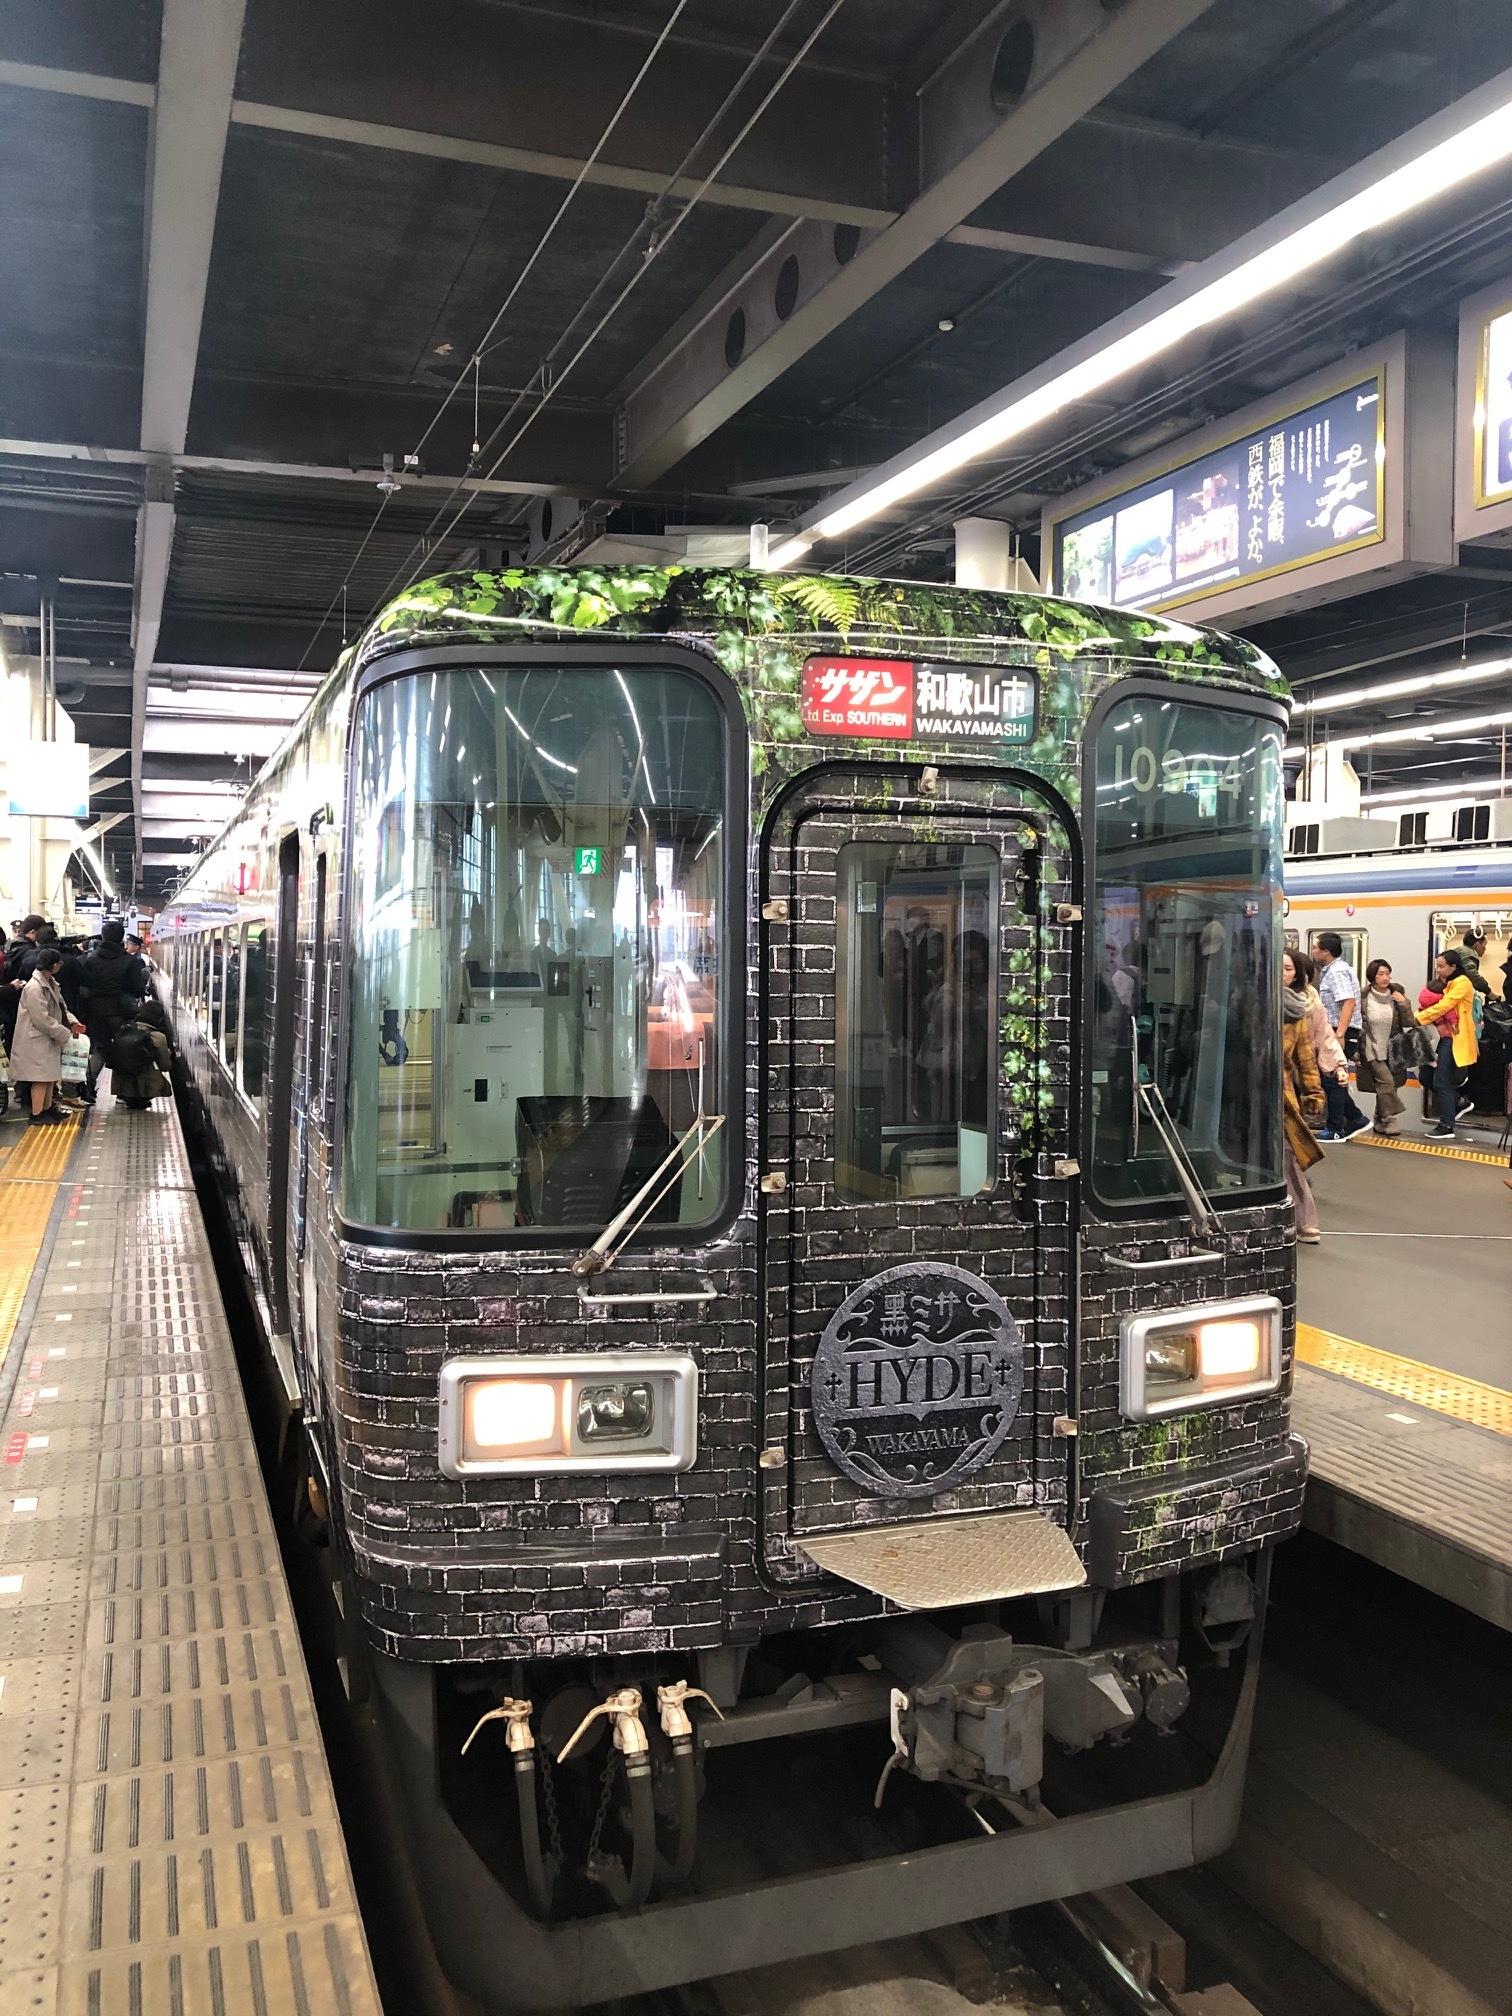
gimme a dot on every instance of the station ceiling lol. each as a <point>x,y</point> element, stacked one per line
<point>251,248</point>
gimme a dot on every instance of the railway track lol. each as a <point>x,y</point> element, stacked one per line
<point>1181,1945</point>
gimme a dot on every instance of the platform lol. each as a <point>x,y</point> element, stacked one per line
<point>172,1843</point>
<point>1404,1373</point>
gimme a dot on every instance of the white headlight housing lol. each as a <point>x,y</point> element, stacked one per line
<point>1177,1359</point>
<point>604,1410</point>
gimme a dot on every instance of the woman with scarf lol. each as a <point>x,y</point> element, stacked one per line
<point>1302,1101</point>
<point>1344,1119</point>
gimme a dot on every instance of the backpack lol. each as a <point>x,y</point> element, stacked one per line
<point>1478,1014</point>
<point>132,1051</point>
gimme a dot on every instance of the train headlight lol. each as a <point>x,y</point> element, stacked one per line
<point>1182,1358</point>
<point>611,1410</point>
<point>515,1417</point>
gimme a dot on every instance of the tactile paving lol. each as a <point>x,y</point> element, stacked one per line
<point>171,1841</point>
<point>1450,1149</point>
<point>1407,1379</point>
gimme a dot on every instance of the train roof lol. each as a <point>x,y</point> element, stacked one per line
<point>848,611</point>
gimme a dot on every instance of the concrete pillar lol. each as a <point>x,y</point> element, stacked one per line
<point>1330,783</point>
<point>983,552</point>
<point>984,557</point>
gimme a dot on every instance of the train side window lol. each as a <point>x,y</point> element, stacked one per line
<point>538,948</point>
<point>915,1047</point>
<point>254,1019</point>
<point>318,1048</point>
<point>217,986</point>
<point>1412,829</point>
<point>231,1023</point>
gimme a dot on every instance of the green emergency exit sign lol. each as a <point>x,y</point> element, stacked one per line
<point>589,860</point>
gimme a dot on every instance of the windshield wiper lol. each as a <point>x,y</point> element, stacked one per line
<point>1204,1218</point>
<point>601,1255</point>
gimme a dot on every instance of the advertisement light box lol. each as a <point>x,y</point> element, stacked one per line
<point>1483,419</point>
<point>48,780</point>
<point>1278,507</point>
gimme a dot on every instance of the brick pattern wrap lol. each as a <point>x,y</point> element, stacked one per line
<point>492,1568</point>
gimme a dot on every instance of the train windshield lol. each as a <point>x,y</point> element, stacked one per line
<point>538,947</point>
<point>1185,1004</point>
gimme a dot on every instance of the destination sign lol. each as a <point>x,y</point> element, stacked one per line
<point>897,699</point>
<point>1303,488</point>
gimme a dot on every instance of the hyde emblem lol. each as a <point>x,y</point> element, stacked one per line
<point>917,1380</point>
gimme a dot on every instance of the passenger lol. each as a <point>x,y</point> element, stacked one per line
<point>114,984</point>
<point>1419,1046</point>
<point>141,1057</point>
<point>43,1027</point>
<point>1472,950</point>
<point>71,975</point>
<point>1345,1119</point>
<point>137,950</point>
<point>1451,1007</point>
<point>1386,1022</point>
<point>20,958</point>
<point>1339,985</point>
<point>1302,1101</point>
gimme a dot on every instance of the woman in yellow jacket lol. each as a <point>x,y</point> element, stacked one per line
<point>1458,1047</point>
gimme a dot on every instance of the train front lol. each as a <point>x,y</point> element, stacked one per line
<point>809,1399</point>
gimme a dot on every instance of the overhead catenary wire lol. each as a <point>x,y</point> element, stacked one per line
<point>653,251</point>
<point>480,349</point>
<point>648,221</point>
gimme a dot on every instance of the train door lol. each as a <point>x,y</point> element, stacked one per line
<point>310,1115</point>
<point>281,1088</point>
<point>914,1319</point>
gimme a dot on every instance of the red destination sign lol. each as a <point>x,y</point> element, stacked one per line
<point>859,696</point>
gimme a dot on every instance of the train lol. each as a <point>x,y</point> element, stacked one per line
<point>1406,904</point>
<point>751,1108</point>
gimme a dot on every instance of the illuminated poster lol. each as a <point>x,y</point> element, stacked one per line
<point>1305,487</point>
<point>1494,417</point>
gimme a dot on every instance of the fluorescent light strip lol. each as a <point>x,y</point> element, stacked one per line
<point>1478,789</point>
<point>1426,731</point>
<point>1402,689</point>
<point>1438,168</point>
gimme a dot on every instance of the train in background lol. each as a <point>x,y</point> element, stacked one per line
<point>1405,904</point>
<point>1408,899</point>
<point>752,1110</point>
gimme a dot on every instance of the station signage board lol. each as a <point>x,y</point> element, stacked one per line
<point>900,700</point>
<point>47,780</point>
<point>1483,419</point>
<point>1282,505</point>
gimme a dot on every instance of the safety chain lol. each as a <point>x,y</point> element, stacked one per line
<point>553,1821</point>
<point>602,1815</point>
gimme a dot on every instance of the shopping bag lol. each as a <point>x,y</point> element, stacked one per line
<point>74,1065</point>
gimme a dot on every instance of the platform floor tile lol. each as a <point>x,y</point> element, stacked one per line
<point>171,1841</point>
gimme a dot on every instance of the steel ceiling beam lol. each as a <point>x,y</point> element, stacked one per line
<point>201,40</point>
<point>1080,54</point>
<point>803,202</point>
<point>230,465</point>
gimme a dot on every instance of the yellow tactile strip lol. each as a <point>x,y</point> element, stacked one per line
<point>1457,1154</point>
<point>1405,1379</point>
<point>33,1166</point>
